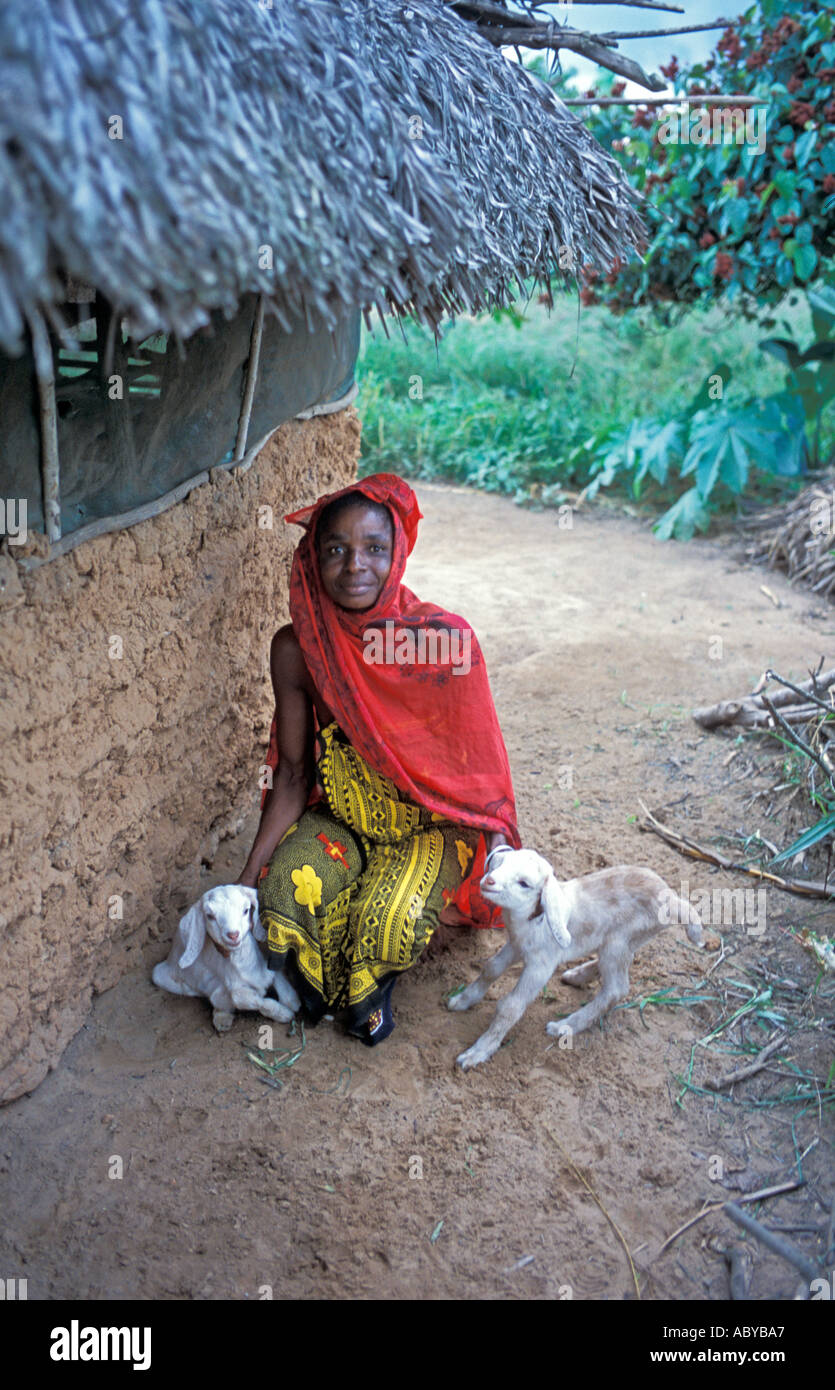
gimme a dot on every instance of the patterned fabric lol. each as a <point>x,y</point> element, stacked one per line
<point>354,890</point>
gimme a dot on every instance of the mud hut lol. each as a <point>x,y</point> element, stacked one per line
<point>197,204</point>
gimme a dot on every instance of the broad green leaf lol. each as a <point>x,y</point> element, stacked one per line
<point>785,182</point>
<point>660,449</point>
<point>736,215</point>
<point>805,260</point>
<point>822,305</point>
<point>683,518</point>
<point>824,827</point>
<point>819,352</point>
<point>725,444</point>
<point>803,148</point>
<point>784,350</point>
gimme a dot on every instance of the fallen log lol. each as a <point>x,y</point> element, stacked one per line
<point>746,715</point>
<point>751,711</point>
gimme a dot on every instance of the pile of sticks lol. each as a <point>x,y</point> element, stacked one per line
<point>790,705</point>
<point>798,537</point>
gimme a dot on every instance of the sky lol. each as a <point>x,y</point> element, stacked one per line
<point>650,53</point>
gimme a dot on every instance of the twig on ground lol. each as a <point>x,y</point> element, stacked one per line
<point>805,888</point>
<point>587,1185</point>
<point>829,1253</point>
<point>744,1072</point>
<point>739,1264</point>
<point>794,737</point>
<point>807,1267</point>
<point>760,1196</point>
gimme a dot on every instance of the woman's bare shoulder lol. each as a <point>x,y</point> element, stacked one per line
<point>286,657</point>
<point>289,671</point>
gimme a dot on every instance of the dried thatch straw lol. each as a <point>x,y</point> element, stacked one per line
<point>386,153</point>
<point>798,536</point>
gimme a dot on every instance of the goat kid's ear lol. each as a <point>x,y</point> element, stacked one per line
<point>257,930</point>
<point>193,932</point>
<point>553,907</point>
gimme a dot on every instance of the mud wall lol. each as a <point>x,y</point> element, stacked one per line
<point>134,712</point>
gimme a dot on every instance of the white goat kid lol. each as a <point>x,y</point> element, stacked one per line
<point>215,955</point>
<point>612,911</point>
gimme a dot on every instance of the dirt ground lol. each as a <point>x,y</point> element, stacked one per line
<point>387,1172</point>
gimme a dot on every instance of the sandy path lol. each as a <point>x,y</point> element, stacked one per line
<point>599,640</point>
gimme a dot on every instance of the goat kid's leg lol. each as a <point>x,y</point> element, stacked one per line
<point>614,986</point>
<point>580,974</point>
<point>508,1013</point>
<point>285,992</point>
<point>165,978</point>
<point>223,1010</point>
<point>250,1000</point>
<point>475,992</point>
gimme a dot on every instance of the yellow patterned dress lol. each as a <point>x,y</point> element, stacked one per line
<point>354,890</point>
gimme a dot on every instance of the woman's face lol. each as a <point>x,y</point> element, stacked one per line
<point>355,549</point>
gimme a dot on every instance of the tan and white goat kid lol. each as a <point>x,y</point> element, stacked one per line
<point>549,923</point>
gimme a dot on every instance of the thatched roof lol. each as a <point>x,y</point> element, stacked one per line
<point>288,124</point>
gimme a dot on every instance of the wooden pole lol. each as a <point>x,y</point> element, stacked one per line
<point>692,100</point>
<point>251,378</point>
<point>50,473</point>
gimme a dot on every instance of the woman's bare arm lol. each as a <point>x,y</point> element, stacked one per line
<point>287,798</point>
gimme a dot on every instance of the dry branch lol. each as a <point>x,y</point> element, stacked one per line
<point>752,711</point>
<point>739,1264</point>
<point>738,99</point>
<point>805,888</point>
<point>743,1073</point>
<point>510,29</point>
<point>760,1196</point>
<point>789,1252</point>
<point>662,33</point>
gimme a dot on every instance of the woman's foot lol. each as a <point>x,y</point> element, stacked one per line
<point>379,1024</point>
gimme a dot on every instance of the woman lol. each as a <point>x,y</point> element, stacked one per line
<point>391,776</point>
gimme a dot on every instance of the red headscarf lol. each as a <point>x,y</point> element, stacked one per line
<point>431,728</point>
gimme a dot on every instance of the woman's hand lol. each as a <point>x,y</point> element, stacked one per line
<point>287,798</point>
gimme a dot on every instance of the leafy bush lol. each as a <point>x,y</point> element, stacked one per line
<point>811,372</point>
<point>720,446</point>
<point>746,221</point>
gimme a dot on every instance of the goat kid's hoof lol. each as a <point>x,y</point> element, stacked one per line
<point>459,1002</point>
<point>473,1057</point>
<point>561,1029</point>
<point>222,1021</point>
